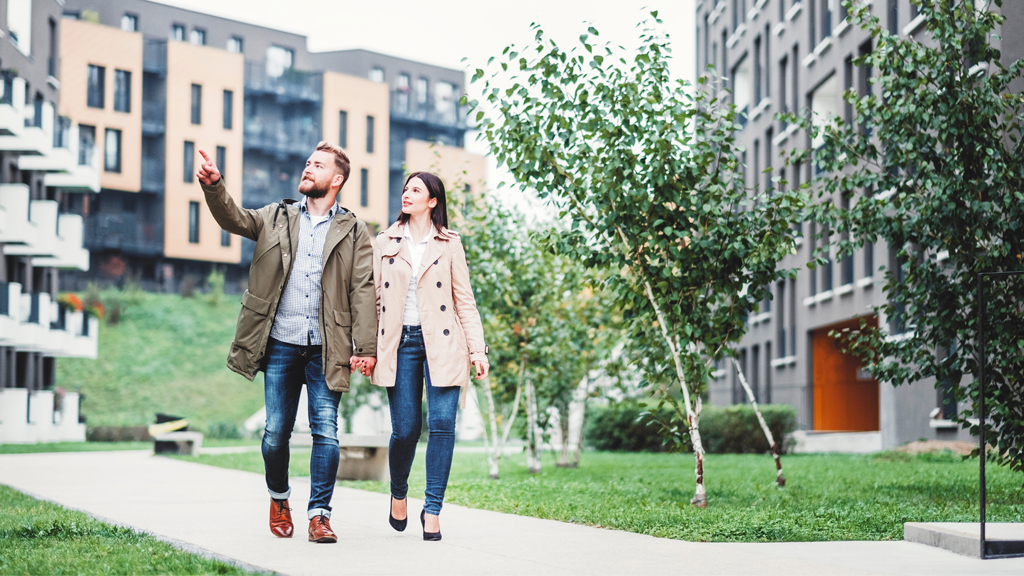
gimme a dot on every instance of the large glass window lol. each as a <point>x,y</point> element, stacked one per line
<point>178,32</point>
<point>130,23</point>
<point>229,105</point>
<point>112,150</point>
<point>122,91</point>
<point>444,101</point>
<point>377,74</point>
<point>343,129</point>
<point>741,90</point>
<point>193,222</point>
<point>189,163</point>
<point>279,59</point>
<point>369,134</point>
<point>198,37</point>
<point>19,25</point>
<point>825,108</point>
<point>235,44</point>
<point>421,90</point>
<point>197,104</point>
<point>364,187</point>
<point>86,144</point>
<point>96,89</point>
<point>402,92</point>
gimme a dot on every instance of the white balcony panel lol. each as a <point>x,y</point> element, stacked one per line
<point>44,217</point>
<point>70,254</point>
<point>14,199</point>
<point>68,429</point>
<point>12,117</point>
<point>32,140</point>
<point>9,322</point>
<point>80,178</point>
<point>13,413</point>
<point>40,414</point>
<point>55,160</point>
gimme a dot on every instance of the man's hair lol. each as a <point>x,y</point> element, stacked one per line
<point>340,158</point>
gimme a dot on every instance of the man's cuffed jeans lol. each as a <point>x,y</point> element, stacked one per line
<point>288,367</point>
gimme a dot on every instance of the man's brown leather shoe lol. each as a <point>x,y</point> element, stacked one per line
<point>320,530</point>
<point>280,519</point>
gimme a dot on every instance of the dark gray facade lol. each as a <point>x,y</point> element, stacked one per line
<point>789,55</point>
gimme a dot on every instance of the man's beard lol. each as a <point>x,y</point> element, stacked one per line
<point>315,190</point>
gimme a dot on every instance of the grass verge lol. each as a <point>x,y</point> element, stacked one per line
<point>827,496</point>
<point>42,538</point>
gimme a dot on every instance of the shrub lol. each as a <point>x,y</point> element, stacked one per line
<point>224,431</point>
<point>729,429</point>
<point>215,282</point>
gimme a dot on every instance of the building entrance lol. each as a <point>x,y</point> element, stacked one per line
<point>845,395</point>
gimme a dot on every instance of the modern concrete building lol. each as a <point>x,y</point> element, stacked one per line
<point>260,101</point>
<point>44,168</point>
<point>788,55</point>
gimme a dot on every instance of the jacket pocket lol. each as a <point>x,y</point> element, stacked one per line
<point>251,321</point>
<point>342,338</point>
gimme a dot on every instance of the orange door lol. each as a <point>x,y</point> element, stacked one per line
<point>845,397</point>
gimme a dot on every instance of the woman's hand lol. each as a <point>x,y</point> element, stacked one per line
<point>482,368</point>
<point>365,364</point>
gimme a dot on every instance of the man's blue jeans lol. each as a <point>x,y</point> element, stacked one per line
<point>406,401</point>
<point>289,366</point>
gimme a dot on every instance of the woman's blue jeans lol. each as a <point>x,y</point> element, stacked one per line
<point>288,367</point>
<point>406,401</point>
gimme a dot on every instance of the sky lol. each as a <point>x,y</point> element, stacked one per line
<point>444,32</point>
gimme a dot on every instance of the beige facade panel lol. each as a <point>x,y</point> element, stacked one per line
<point>213,70</point>
<point>462,172</point>
<point>84,44</point>
<point>360,99</point>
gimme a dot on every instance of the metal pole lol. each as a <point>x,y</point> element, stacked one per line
<point>981,403</point>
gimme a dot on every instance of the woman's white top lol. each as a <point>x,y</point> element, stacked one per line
<point>411,315</point>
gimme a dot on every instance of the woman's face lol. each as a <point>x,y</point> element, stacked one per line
<point>416,199</point>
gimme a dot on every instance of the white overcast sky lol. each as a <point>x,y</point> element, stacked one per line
<point>443,32</point>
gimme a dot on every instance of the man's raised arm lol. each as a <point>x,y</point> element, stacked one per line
<point>228,215</point>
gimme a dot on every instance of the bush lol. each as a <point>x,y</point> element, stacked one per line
<point>224,431</point>
<point>729,429</point>
<point>215,282</point>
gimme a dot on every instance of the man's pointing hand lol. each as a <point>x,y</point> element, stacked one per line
<point>208,172</point>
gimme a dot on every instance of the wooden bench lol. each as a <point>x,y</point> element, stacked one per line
<point>188,443</point>
<point>364,457</point>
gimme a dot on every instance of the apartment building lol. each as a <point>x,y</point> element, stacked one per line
<point>792,55</point>
<point>43,169</point>
<point>260,101</point>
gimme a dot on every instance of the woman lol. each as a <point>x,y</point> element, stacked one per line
<point>429,329</point>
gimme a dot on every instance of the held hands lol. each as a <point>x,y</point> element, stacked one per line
<point>364,364</point>
<point>208,172</point>
<point>482,368</point>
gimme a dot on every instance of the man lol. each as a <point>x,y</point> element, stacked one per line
<point>308,317</point>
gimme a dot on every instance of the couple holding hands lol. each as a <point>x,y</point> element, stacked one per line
<point>324,299</point>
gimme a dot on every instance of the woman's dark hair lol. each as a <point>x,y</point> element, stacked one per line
<point>439,213</point>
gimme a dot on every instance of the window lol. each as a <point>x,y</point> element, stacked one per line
<point>846,267</point>
<point>795,93</point>
<point>225,238</point>
<point>221,159</point>
<point>229,104</point>
<point>824,103</point>
<point>178,32</point>
<point>847,85</point>
<point>279,59</point>
<point>97,86</point>
<point>897,322</point>
<point>758,72</point>
<point>189,163</point>
<point>780,292</point>
<point>421,90</point>
<point>783,78</point>
<point>122,91</point>
<point>894,17</point>
<point>376,74</point>
<point>51,60</point>
<point>769,186</point>
<point>86,144</point>
<point>369,135</point>
<point>112,150</point>
<point>757,169</point>
<point>19,25</point>
<point>826,270</point>
<point>130,23</point>
<point>741,90</point>
<point>813,276</point>
<point>193,222</point>
<point>343,129</point>
<point>402,92</point>
<point>198,37</point>
<point>826,18</point>
<point>445,102</point>
<point>235,45</point>
<point>197,100</point>
<point>755,372</point>
<point>364,187</point>
<point>766,64</point>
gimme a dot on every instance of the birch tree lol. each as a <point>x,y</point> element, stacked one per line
<point>645,169</point>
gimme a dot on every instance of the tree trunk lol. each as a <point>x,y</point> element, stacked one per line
<point>515,406</point>
<point>779,477</point>
<point>493,447</point>
<point>532,459</point>
<point>563,425</point>
<point>583,394</point>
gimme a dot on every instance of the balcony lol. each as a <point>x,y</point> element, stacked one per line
<point>154,114</point>
<point>33,322</point>
<point>281,139</point>
<point>76,177</point>
<point>291,86</point>
<point>123,232</point>
<point>17,228</point>
<point>12,103</point>
<point>406,108</point>
<point>154,56</point>
<point>69,253</point>
<point>153,174</point>
<point>43,217</point>
<point>28,130</point>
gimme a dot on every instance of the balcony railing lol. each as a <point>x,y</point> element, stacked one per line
<point>281,138</point>
<point>154,116</point>
<point>154,56</point>
<point>123,232</point>
<point>405,106</point>
<point>153,174</point>
<point>292,85</point>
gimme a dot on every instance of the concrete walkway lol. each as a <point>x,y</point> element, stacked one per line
<point>223,513</point>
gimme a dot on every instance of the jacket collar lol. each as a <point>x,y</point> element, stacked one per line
<point>397,231</point>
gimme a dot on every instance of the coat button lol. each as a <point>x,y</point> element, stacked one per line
<point>391,260</point>
<point>435,262</point>
<point>438,284</point>
<point>445,331</point>
<point>399,240</point>
<point>442,307</point>
<point>381,331</point>
<point>386,284</point>
<point>360,349</point>
<point>383,308</point>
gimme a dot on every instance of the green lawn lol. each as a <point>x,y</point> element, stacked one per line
<point>827,497</point>
<point>167,354</point>
<point>41,538</point>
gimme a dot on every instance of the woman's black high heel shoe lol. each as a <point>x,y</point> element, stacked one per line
<point>395,523</point>
<point>431,536</point>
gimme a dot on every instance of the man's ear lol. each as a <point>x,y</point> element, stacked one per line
<point>338,180</point>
